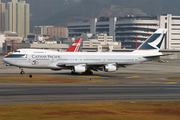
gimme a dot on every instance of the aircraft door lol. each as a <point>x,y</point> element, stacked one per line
<point>29,58</point>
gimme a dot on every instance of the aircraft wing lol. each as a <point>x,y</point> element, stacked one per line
<point>90,65</point>
<point>67,64</point>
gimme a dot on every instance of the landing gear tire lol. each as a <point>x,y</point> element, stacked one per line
<point>22,72</point>
<point>90,73</point>
<point>30,76</point>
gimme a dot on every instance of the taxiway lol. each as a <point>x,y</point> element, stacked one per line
<point>142,82</point>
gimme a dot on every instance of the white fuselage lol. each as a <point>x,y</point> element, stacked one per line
<point>51,59</point>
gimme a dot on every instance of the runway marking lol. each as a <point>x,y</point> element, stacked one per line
<point>167,83</point>
<point>135,77</point>
<point>93,77</point>
<point>171,83</point>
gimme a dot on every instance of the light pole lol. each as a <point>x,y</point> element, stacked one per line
<point>12,44</point>
<point>136,41</point>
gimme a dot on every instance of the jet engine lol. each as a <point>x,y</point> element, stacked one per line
<point>110,68</point>
<point>79,69</point>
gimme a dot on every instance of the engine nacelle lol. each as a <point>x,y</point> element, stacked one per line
<point>110,68</point>
<point>79,69</point>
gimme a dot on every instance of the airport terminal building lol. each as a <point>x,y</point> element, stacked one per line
<point>121,28</point>
<point>131,28</point>
<point>172,24</point>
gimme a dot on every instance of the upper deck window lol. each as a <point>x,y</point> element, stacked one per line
<point>16,56</point>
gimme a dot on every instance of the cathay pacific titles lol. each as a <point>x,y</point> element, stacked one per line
<point>47,56</point>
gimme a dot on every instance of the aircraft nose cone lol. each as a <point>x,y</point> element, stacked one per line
<point>5,60</point>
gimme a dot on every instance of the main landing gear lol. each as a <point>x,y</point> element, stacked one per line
<point>30,76</point>
<point>84,73</point>
<point>88,72</point>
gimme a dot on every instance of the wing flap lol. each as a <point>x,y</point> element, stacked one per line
<point>67,64</point>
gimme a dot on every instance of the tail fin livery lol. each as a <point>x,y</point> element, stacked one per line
<point>75,46</point>
<point>154,41</point>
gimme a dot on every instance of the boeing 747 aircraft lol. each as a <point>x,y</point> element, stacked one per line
<point>86,62</point>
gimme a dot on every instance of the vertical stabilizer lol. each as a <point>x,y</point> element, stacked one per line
<point>75,46</point>
<point>154,41</point>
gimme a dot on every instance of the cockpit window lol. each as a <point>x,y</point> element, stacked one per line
<point>17,51</point>
<point>16,56</point>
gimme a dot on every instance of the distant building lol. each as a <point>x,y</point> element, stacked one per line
<point>102,39</point>
<point>18,17</point>
<point>11,41</point>
<point>35,38</point>
<point>60,32</point>
<point>44,42</point>
<point>172,24</point>
<point>100,43</point>
<point>2,38</point>
<point>127,28</point>
<point>54,32</point>
<point>121,28</point>
<point>41,40</point>
<point>130,44</point>
<point>41,30</point>
<point>51,45</point>
<point>2,16</point>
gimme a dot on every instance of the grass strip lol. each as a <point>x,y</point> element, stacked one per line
<point>174,78</point>
<point>47,79</point>
<point>93,111</point>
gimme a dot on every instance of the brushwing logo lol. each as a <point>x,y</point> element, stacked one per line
<point>35,62</point>
<point>156,42</point>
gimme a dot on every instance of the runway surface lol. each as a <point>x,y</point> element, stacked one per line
<point>142,82</point>
<point>28,94</point>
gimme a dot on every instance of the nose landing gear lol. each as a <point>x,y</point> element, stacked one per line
<point>22,72</point>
